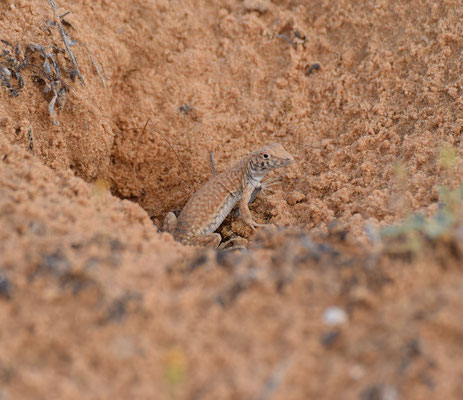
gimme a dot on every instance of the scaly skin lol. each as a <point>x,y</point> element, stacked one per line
<point>210,205</point>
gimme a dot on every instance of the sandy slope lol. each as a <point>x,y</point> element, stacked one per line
<point>95,303</point>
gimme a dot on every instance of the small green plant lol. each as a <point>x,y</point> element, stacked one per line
<point>175,371</point>
<point>432,227</point>
<point>448,156</point>
<point>417,228</point>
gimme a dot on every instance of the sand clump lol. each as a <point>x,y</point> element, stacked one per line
<point>97,303</point>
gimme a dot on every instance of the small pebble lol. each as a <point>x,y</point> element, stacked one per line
<point>329,338</point>
<point>357,371</point>
<point>6,72</point>
<point>260,6</point>
<point>295,197</point>
<point>281,83</point>
<point>334,316</point>
<point>5,287</point>
<point>379,392</point>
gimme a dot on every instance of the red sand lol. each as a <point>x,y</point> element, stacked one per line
<point>97,304</point>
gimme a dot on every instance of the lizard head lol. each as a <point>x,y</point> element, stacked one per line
<point>270,157</point>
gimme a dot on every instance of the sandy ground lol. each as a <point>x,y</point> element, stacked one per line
<point>96,303</point>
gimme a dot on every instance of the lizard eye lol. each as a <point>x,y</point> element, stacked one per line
<point>265,155</point>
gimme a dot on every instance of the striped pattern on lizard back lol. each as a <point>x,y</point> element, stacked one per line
<point>206,210</point>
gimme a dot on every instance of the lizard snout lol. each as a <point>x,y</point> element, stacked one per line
<point>287,160</point>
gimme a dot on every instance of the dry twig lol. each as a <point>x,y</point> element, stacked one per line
<point>64,36</point>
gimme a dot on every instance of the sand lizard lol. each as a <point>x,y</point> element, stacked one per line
<point>209,206</point>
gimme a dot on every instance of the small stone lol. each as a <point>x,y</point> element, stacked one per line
<point>223,13</point>
<point>379,392</point>
<point>256,5</point>
<point>362,296</point>
<point>6,72</point>
<point>294,197</point>
<point>5,287</point>
<point>334,316</point>
<point>56,264</point>
<point>328,339</point>
<point>281,83</point>
<point>357,371</point>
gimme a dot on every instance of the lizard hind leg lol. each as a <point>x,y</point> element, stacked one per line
<point>206,240</point>
<point>237,243</point>
<point>170,222</point>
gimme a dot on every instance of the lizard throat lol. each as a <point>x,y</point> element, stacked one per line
<point>255,177</point>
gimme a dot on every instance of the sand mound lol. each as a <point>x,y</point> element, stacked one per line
<point>96,303</point>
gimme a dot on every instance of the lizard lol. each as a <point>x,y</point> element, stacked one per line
<point>209,206</point>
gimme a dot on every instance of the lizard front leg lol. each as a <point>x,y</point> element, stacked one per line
<point>244,209</point>
<point>267,185</point>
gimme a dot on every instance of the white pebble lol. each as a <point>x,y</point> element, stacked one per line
<point>334,316</point>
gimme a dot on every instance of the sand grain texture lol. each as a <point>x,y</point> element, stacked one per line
<point>96,303</point>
